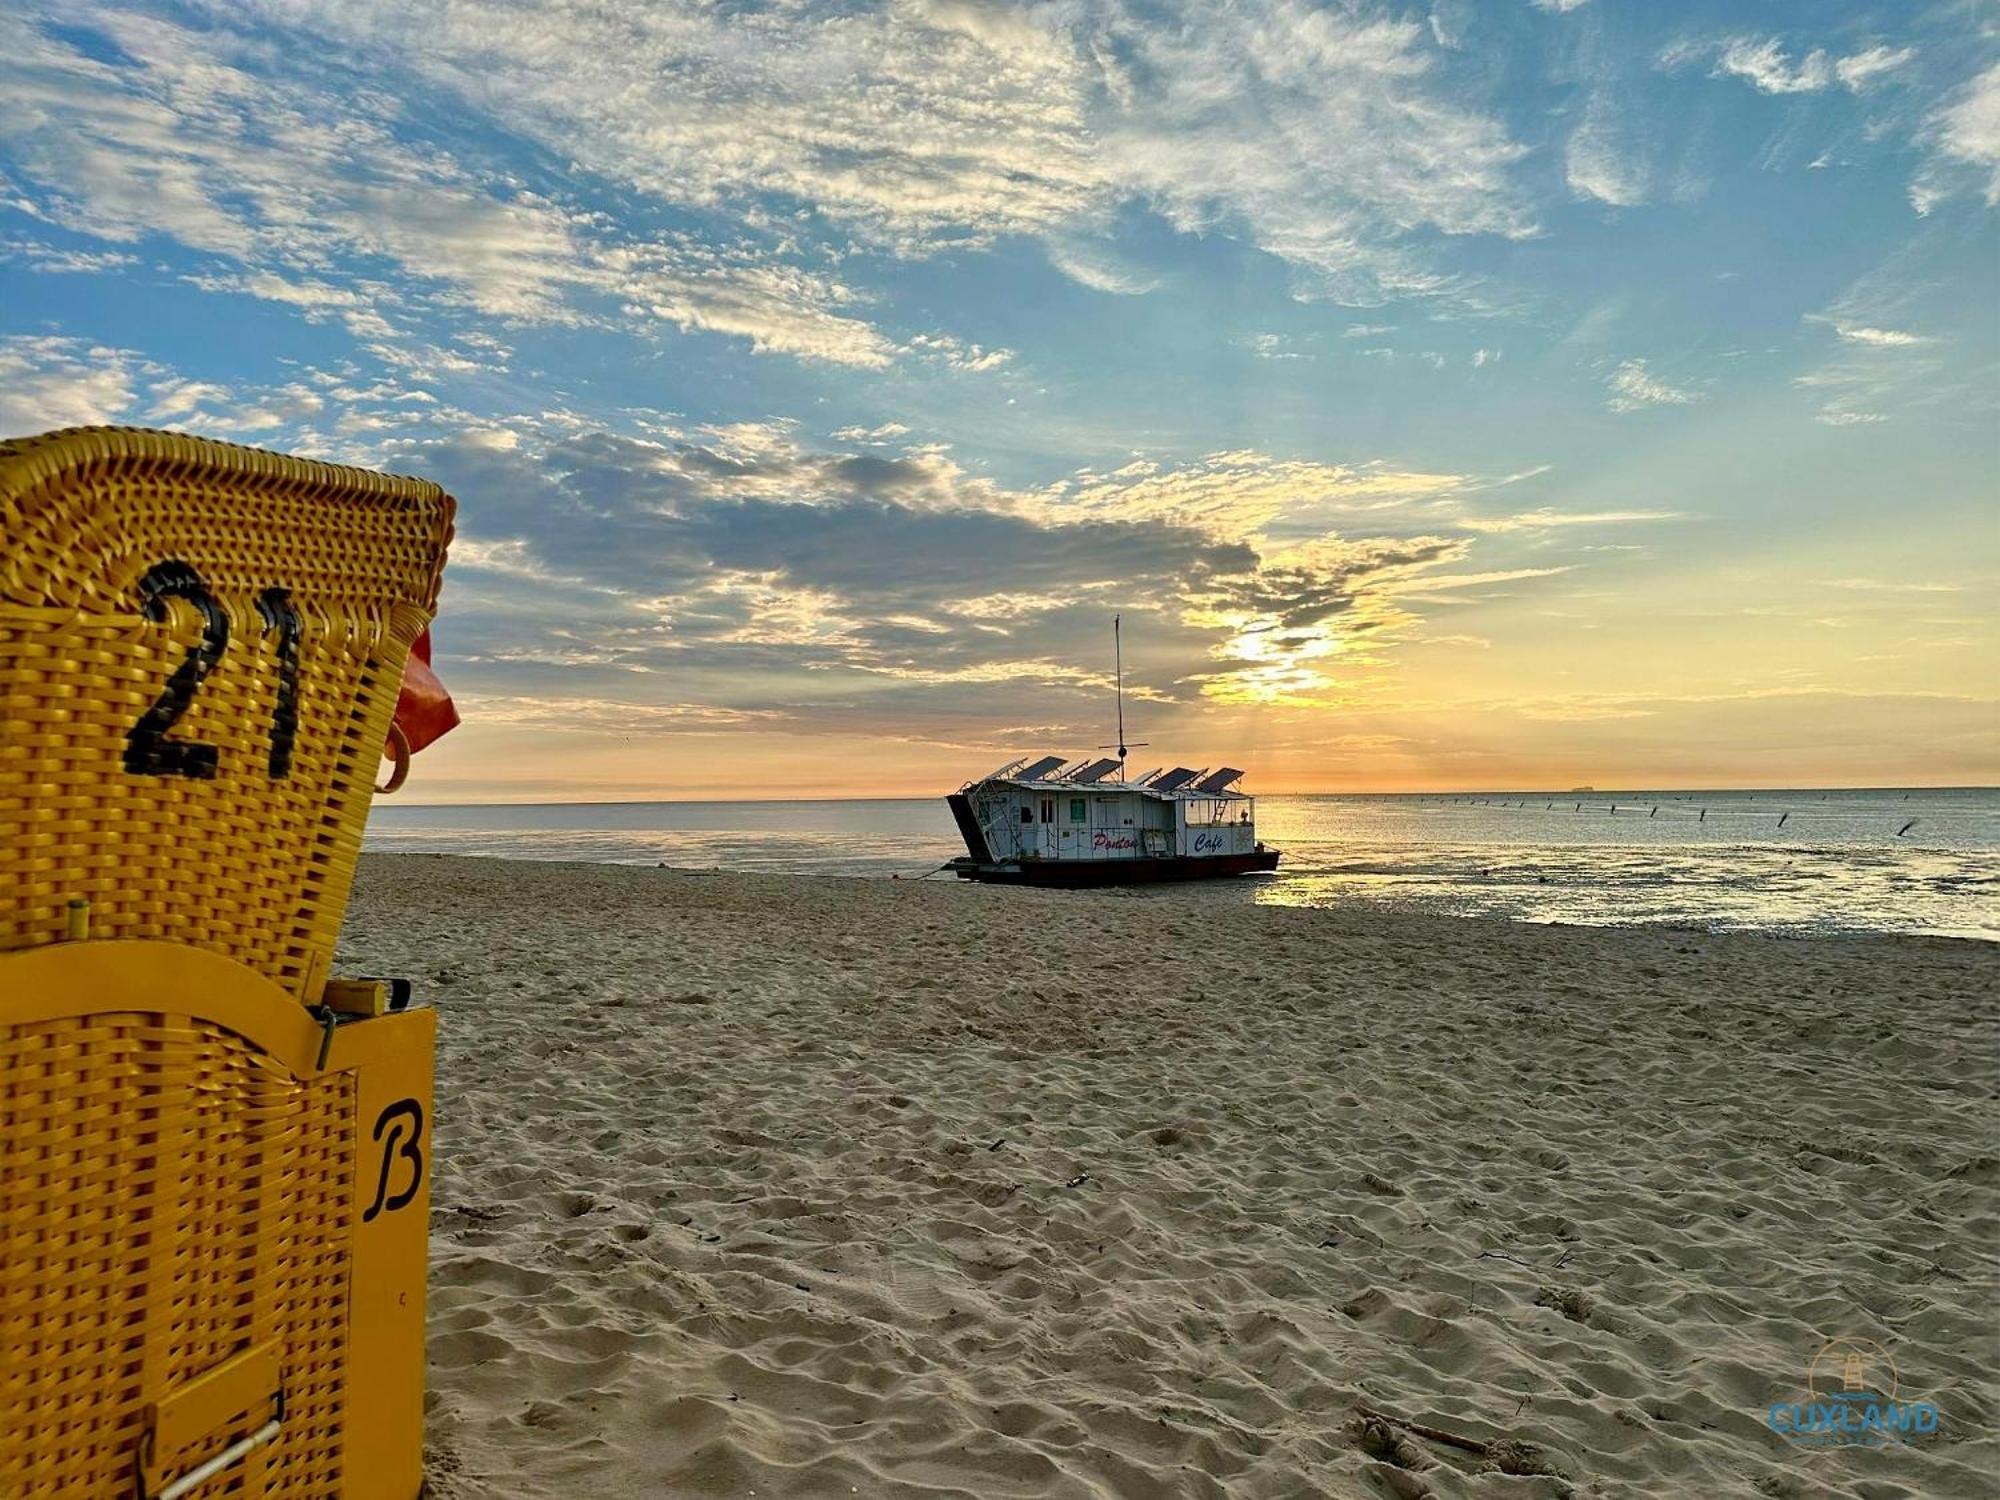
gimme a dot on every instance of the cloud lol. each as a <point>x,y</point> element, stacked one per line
<point>748,569</point>
<point>1765,64</point>
<point>585,715</point>
<point>1599,163</point>
<point>1323,137</point>
<point>205,406</point>
<point>1634,387</point>
<point>52,259</point>
<point>317,301</point>
<point>913,125</point>
<point>1876,585</point>
<point>1559,7</point>
<point>1545,519</point>
<point>959,354</point>
<point>48,382</point>
<point>1858,70</point>
<point>300,186</point>
<point>1879,338</point>
<point>1288,626</point>
<point>1964,136</point>
<point>1100,267</point>
<point>881,434</point>
<point>1876,368</point>
<point>1440,583</point>
<point>1246,493</point>
<point>735,579</point>
<point>780,309</point>
<point>1271,346</point>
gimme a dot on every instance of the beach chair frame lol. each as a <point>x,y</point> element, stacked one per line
<point>227,1198</point>
<point>214,1161</point>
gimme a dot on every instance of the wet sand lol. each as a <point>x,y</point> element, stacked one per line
<point>795,1186</point>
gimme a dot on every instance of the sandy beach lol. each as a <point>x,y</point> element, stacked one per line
<point>789,1186</point>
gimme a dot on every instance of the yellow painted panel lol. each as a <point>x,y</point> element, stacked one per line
<point>181,1184</point>
<point>200,1410</point>
<point>390,1058</point>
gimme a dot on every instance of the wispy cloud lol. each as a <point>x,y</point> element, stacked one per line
<point>56,260</point>
<point>1879,338</point>
<point>1874,369</point>
<point>1545,519</point>
<point>1634,387</point>
<point>1099,266</point>
<point>882,434</point>
<point>1322,137</point>
<point>1600,162</point>
<point>959,354</point>
<point>1246,493</point>
<point>1877,585</point>
<point>1766,64</point>
<point>1964,135</point>
<point>282,177</point>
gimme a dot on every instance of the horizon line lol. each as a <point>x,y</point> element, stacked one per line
<point>1568,791</point>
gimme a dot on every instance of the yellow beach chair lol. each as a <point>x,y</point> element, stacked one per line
<point>214,1163</point>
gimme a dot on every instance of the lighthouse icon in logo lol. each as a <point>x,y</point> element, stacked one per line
<point>1852,1370</point>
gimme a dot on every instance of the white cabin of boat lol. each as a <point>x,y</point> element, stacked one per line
<point>1043,809</point>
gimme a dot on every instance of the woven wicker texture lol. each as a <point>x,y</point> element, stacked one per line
<point>169,1196</point>
<point>200,648</point>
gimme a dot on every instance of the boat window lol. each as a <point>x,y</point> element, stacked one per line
<point>1027,813</point>
<point>1079,810</point>
<point>1048,809</point>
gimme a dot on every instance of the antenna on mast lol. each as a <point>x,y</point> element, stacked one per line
<point>1118,657</point>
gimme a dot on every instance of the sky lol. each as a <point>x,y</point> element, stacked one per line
<point>1514,394</point>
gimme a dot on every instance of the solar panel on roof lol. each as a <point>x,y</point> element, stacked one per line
<point>1220,779</point>
<point>1174,780</point>
<point>1142,780</point>
<point>1039,769</point>
<point>1097,770</point>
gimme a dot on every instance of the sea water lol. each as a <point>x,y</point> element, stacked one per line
<point>1798,861</point>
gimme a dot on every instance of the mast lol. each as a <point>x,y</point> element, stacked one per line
<point>1118,656</point>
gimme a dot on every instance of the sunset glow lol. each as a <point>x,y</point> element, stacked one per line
<point>1445,396</point>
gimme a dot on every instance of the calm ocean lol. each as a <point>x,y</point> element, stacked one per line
<point>1798,861</point>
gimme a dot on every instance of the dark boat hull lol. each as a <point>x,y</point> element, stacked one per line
<point>1075,873</point>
